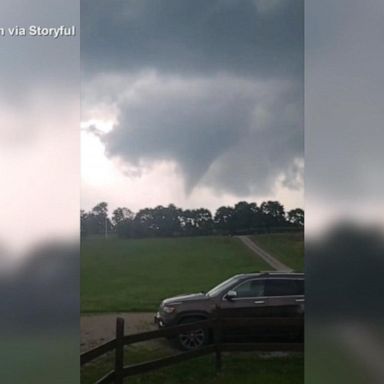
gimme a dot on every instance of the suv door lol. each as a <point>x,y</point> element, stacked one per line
<point>285,299</point>
<point>250,302</point>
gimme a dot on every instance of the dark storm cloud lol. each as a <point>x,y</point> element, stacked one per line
<point>192,123</point>
<point>248,37</point>
<point>215,86</point>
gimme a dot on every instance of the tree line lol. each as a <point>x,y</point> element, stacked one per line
<point>169,221</point>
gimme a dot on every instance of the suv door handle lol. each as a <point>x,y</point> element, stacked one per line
<point>259,302</point>
<point>299,300</point>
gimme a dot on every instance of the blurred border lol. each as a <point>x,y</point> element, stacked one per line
<point>39,229</point>
<point>344,191</point>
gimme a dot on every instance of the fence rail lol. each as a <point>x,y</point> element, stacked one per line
<point>88,356</point>
<point>217,347</point>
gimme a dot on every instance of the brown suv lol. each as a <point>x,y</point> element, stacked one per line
<point>266,295</point>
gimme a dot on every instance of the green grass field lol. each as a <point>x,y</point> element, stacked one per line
<point>135,275</point>
<point>246,368</point>
<point>287,247</point>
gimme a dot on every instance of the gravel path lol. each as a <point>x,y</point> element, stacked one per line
<point>267,257</point>
<point>96,329</point>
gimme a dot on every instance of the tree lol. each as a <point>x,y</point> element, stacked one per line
<point>83,223</point>
<point>98,220</point>
<point>296,216</point>
<point>121,214</point>
<point>89,224</point>
<point>163,221</point>
<point>188,222</point>
<point>274,214</point>
<point>167,220</point>
<point>246,216</point>
<point>273,209</point>
<point>122,218</point>
<point>203,221</point>
<point>224,219</point>
<point>143,223</point>
<point>101,209</point>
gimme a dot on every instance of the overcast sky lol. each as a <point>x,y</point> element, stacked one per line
<point>197,103</point>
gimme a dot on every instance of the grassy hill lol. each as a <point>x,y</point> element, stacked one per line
<point>136,274</point>
<point>287,247</point>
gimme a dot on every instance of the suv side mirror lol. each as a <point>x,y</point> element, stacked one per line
<point>230,295</point>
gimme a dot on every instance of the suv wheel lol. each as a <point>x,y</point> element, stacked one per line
<point>193,339</point>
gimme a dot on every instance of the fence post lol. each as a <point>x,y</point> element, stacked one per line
<point>217,334</point>
<point>119,352</point>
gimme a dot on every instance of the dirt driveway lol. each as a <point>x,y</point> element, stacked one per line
<point>96,329</point>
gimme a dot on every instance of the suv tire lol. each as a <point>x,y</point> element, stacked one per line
<point>194,339</point>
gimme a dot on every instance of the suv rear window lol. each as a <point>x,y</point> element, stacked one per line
<point>284,287</point>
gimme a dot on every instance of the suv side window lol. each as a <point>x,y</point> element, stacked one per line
<point>283,287</point>
<point>250,288</point>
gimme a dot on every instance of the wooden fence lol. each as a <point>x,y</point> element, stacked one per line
<point>217,347</point>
